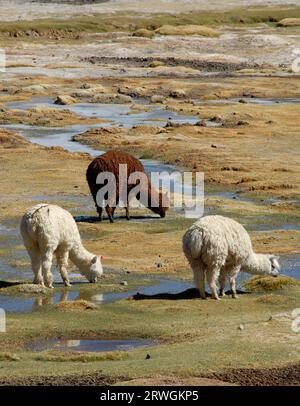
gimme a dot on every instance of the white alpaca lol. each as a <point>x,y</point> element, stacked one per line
<point>217,247</point>
<point>49,230</point>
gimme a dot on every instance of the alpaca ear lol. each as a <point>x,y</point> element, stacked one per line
<point>94,260</point>
<point>274,257</point>
<point>274,261</point>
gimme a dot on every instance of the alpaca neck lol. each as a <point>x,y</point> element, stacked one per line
<point>80,256</point>
<point>254,264</point>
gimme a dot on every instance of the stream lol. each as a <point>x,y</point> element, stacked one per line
<point>118,115</point>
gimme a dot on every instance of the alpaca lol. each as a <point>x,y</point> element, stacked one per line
<point>109,162</point>
<point>49,230</point>
<point>217,247</point>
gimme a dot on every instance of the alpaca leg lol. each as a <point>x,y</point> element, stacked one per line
<point>35,257</point>
<point>232,281</point>
<point>46,268</point>
<point>110,212</point>
<point>222,281</point>
<point>212,277</point>
<point>199,278</point>
<point>99,210</point>
<point>127,212</point>
<point>62,261</point>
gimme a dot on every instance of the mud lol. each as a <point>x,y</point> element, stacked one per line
<point>145,62</point>
<point>281,376</point>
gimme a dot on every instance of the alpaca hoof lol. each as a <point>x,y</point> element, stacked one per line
<point>50,286</point>
<point>67,283</point>
<point>234,296</point>
<point>216,298</point>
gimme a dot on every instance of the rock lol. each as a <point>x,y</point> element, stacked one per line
<point>241,327</point>
<point>177,93</point>
<point>33,89</point>
<point>88,92</point>
<point>124,283</point>
<point>143,32</point>
<point>65,100</point>
<point>10,89</point>
<point>156,64</point>
<point>112,98</point>
<point>132,91</point>
<point>156,98</point>
<point>148,356</point>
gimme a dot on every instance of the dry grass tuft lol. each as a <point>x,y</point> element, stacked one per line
<point>188,30</point>
<point>56,356</point>
<point>143,32</point>
<point>269,283</point>
<point>272,299</point>
<point>8,356</point>
<point>289,22</point>
<point>8,139</point>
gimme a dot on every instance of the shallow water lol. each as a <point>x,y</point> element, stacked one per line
<point>117,114</point>
<point>252,100</point>
<point>290,266</point>
<point>28,303</point>
<point>89,345</point>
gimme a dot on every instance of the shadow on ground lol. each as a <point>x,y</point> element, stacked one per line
<point>191,293</point>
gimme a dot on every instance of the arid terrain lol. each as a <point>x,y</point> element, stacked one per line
<point>206,88</point>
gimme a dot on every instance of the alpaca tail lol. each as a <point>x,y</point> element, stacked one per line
<point>192,243</point>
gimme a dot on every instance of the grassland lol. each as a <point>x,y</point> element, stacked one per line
<point>252,152</point>
<point>130,22</point>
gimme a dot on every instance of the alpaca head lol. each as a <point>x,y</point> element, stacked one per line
<point>267,265</point>
<point>94,269</point>
<point>160,203</point>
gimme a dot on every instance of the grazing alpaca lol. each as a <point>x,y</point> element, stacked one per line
<point>47,230</point>
<point>109,162</point>
<point>217,247</point>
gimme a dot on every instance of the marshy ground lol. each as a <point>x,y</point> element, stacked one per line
<point>223,101</point>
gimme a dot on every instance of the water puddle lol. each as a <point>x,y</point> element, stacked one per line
<point>89,345</point>
<point>162,288</point>
<point>29,303</point>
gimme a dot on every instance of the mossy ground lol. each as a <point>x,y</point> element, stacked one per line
<point>193,337</point>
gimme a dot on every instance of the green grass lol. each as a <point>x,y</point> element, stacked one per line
<point>192,337</point>
<point>132,22</point>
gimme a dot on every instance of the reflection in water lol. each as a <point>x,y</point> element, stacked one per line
<point>290,266</point>
<point>89,345</point>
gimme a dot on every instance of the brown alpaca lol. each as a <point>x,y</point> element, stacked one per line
<point>109,162</point>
